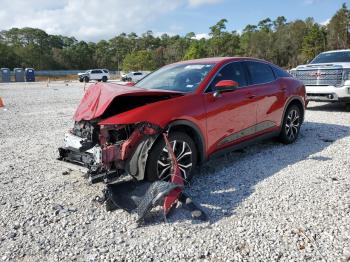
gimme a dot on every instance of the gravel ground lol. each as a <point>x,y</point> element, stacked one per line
<point>266,202</point>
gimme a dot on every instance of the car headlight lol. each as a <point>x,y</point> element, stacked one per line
<point>293,72</point>
<point>346,74</point>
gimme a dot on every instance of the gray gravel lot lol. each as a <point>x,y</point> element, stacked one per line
<point>267,202</point>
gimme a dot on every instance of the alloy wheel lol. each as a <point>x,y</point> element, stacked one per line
<point>183,154</point>
<point>292,124</point>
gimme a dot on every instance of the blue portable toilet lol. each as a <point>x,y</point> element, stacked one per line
<point>19,74</point>
<point>30,75</point>
<point>5,75</point>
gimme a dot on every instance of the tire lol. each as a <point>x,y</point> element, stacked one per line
<point>291,125</point>
<point>86,79</point>
<point>347,107</point>
<point>183,144</point>
<point>104,79</point>
<point>81,80</point>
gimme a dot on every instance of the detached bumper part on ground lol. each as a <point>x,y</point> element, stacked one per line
<point>111,160</point>
<point>142,196</point>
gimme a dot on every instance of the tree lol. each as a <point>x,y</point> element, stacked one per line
<point>338,29</point>
<point>196,50</point>
<point>140,60</point>
<point>314,42</point>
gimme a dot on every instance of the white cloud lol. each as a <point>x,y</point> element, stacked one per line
<point>326,22</point>
<point>89,19</point>
<point>201,35</point>
<point>310,2</point>
<point>195,3</point>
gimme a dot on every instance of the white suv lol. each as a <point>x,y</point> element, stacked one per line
<point>326,77</point>
<point>94,74</point>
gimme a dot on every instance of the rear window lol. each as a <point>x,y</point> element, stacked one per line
<point>260,73</point>
<point>106,71</point>
<point>280,72</point>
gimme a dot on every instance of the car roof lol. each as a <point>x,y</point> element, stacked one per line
<point>217,60</point>
<point>336,51</point>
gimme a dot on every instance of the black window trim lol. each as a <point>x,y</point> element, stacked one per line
<point>217,72</point>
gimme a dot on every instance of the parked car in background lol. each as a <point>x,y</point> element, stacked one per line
<point>326,77</point>
<point>94,74</point>
<point>133,76</point>
<point>206,106</point>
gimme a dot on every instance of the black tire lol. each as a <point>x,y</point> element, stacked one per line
<point>291,125</point>
<point>81,80</point>
<point>104,79</point>
<point>86,79</point>
<point>153,168</point>
<point>347,107</point>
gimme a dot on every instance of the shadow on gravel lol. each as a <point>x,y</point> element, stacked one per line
<point>223,183</point>
<point>330,107</point>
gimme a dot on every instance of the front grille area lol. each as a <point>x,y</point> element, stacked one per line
<point>320,77</point>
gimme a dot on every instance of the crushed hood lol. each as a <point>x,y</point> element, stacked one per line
<point>99,97</point>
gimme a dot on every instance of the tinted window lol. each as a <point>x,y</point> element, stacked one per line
<point>232,71</point>
<point>260,73</point>
<point>96,71</point>
<point>280,73</point>
<point>106,71</point>
<point>137,74</point>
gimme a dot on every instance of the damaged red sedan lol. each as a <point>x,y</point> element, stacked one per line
<point>206,106</point>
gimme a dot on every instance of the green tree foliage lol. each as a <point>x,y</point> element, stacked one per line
<point>286,43</point>
<point>338,29</point>
<point>314,42</point>
<point>139,60</point>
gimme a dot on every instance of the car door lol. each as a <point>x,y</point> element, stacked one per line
<point>269,93</point>
<point>231,116</point>
<point>96,74</point>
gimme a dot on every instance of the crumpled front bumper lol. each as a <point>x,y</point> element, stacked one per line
<point>111,159</point>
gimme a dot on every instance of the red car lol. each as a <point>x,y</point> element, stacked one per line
<point>206,106</point>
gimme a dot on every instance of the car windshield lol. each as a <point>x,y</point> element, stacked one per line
<point>332,57</point>
<point>179,77</point>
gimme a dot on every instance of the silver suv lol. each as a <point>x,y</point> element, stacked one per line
<point>326,77</point>
<point>94,74</point>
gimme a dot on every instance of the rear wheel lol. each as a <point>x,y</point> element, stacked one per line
<point>159,164</point>
<point>291,125</point>
<point>104,79</point>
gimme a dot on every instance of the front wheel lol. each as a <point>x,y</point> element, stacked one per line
<point>159,164</point>
<point>291,125</point>
<point>86,79</point>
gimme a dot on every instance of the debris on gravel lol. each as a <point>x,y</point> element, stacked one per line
<point>266,202</point>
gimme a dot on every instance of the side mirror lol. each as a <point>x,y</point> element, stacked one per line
<point>225,86</point>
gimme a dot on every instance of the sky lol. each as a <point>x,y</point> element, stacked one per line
<point>93,20</point>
